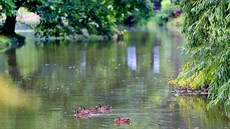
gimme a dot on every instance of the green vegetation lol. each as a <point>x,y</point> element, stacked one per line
<point>10,41</point>
<point>169,13</point>
<point>67,17</point>
<point>3,42</point>
<point>3,39</point>
<point>88,17</point>
<point>206,27</point>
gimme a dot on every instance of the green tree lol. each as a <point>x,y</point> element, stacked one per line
<point>206,27</point>
<point>67,17</point>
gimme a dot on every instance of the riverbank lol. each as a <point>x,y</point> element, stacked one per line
<point>10,41</point>
<point>186,90</point>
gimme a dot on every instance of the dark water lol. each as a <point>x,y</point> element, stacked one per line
<point>43,82</point>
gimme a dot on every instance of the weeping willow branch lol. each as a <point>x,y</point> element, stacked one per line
<point>206,27</point>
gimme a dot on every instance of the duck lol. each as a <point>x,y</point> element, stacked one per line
<point>89,110</point>
<point>124,120</point>
<point>83,115</point>
<point>104,108</point>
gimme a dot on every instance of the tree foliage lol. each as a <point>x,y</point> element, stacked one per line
<point>206,27</point>
<point>67,17</point>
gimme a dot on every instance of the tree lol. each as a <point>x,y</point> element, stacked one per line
<point>206,27</point>
<point>68,17</point>
<point>9,8</point>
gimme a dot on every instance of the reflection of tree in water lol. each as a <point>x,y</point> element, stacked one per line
<point>2,63</point>
<point>175,39</point>
<point>189,112</point>
<point>12,65</point>
<point>195,114</point>
<point>32,79</point>
<point>14,72</point>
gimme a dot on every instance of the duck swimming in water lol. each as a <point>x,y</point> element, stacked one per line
<point>122,121</point>
<point>89,110</point>
<point>104,108</point>
<point>83,115</point>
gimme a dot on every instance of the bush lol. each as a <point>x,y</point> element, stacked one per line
<point>166,14</point>
<point>206,27</point>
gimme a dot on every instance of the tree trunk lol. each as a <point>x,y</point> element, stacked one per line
<point>9,26</point>
<point>10,23</point>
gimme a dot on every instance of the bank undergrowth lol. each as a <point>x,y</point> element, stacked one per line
<point>206,26</point>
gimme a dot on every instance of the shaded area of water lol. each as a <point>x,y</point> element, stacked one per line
<point>43,82</point>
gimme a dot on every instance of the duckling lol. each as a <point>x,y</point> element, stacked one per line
<point>104,108</point>
<point>122,121</point>
<point>89,110</point>
<point>83,115</point>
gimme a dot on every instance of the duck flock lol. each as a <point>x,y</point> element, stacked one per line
<point>84,113</point>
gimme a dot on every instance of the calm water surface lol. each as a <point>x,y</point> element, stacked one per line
<point>43,82</point>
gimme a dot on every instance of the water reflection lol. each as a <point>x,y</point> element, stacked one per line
<point>68,75</point>
<point>132,59</point>
<point>11,96</point>
<point>176,37</point>
<point>12,65</point>
<point>191,108</point>
<point>83,62</point>
<point>156,64</point>
<point>155,55</point>
<point>2,64</point>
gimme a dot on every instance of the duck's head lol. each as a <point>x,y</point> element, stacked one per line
<point>107,106</point>
<point>117,119</point>
<point>82,108</point>
<point>98,106</point>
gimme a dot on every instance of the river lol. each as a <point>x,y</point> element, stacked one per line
<point>43,82</point>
